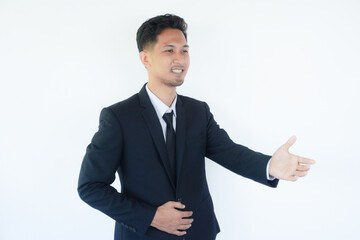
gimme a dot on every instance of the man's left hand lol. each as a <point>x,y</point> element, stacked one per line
<point>287,166</point>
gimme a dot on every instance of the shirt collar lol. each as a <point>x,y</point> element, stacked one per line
<point>160,107</point>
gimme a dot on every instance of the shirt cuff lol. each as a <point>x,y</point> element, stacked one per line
<point>270,178</point>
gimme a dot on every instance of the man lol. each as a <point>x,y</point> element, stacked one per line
<point>157,142</point>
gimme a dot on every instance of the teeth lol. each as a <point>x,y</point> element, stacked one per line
<point>177,70</point>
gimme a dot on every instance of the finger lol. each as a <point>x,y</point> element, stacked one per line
<point>179,233</point>
<point>302,167</point>
<point>184,227</point>
<point>186,214</point>
<point>177,205</point>
<point>186,221</point>
<point>306,160</point>
<point>300,173</point>
<point>290,142</point>
<point>293,178</point>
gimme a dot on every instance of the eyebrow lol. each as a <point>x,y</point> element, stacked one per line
<point>169,45</point>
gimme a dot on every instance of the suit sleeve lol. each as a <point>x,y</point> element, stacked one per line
<point>235,157</point>
<point>102,159</point>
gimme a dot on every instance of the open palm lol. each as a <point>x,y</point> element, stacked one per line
<point>287,166</point>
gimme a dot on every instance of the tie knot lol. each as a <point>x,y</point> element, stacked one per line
<point>168,117</point>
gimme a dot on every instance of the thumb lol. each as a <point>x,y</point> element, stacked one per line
<point>177,205</point>
<point>290,142</point>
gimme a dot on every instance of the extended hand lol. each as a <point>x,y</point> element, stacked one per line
<point>286,166</point>
<point>169,219</point>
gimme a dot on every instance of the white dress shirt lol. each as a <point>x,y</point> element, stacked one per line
<point>161,108</point>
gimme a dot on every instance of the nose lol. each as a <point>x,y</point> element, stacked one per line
<point>180,58</point>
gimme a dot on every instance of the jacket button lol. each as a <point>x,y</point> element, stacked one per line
<point>179,199</point>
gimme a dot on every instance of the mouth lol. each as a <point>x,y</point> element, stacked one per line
<point>177,70</point>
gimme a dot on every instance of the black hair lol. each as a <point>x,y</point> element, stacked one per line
<point>149,30</point>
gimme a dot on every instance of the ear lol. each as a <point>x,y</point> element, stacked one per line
<point>144,57</point>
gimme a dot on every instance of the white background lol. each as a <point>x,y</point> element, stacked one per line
<point>268,70</point>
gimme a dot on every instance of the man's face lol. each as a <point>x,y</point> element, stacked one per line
<point>168,58</point>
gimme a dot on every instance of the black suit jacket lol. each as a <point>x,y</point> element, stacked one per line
<point>130,142</point>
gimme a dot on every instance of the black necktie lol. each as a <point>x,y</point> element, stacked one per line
<point>170,142</point>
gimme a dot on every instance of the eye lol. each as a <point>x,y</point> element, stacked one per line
<point>169,50</point>
<point>185,51</point>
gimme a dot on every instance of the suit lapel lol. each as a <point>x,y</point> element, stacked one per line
<point>152,121</point>
<point>180,136</point>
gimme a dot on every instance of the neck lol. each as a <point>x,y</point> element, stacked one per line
<point>165,93</point>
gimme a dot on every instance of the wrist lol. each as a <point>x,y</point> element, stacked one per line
<point>269,176</point>
<point>154,221</point>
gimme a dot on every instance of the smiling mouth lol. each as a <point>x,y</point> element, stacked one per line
<point>177,70</point>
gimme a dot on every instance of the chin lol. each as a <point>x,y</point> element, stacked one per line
<point>175,83</point>
<point>179,82</point>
